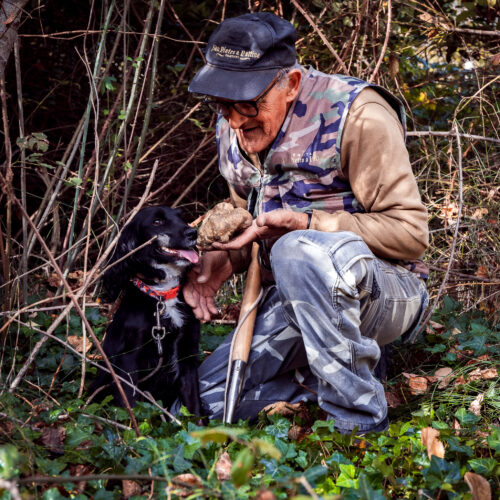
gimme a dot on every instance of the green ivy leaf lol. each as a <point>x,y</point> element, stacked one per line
<point>9,461</point>
<point>440,472</point>
<point>301,459</point>
<point>347,477</point>
<point>180,464</point>
<point>465,417</point>
<point>241,467</point>
<point>314,473</point>
<point>280,427</point>
<point>366,492</point>
<point>494,439</point>
<point>266,448</point>
<point>483,466</point>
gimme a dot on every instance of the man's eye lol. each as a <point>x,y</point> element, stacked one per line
<point>158,222</point>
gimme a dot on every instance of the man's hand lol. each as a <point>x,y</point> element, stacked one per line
<point>203,282</point>
<point>268,225</point>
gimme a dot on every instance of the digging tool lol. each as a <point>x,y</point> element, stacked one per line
<point>242,339</point>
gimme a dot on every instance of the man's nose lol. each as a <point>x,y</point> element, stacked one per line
<point>235,119</point>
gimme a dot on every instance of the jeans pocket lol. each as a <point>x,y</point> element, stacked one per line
<point>397,318</point>
<point>412,330</point>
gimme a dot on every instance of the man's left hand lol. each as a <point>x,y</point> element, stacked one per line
<point>267,225</point>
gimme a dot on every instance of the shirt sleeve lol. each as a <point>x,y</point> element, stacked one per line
<point>375,160</point>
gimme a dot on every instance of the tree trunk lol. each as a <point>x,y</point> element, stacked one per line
<point>10,15</point>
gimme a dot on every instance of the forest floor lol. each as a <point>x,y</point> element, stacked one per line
<point>443,440</point>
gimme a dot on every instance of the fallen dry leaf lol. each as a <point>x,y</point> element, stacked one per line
<point>53,439</point>
<point>429,438</point>
<point>449,213</point>
<point>80,470</point>
<point>130,488</point>
<point>393,399</point>
<point>188,480</point>
<point>418,385</point>
<point>443,376</point>
<point>428,18</point>
<point>456,426</point>
<point>223,467</point>
<point>482,374</point>
<point>297,432</point>
<point>438,327</point>
<point>478,485</point>
<point>482,272</point>
<point>265,495</point>
<point>479,213</point>
<point>475,406</point>
<point>77,276</point>
<point>77,342</point>
<point>54,280</point>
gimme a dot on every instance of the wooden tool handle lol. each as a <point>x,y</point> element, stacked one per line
<point>241,348</point>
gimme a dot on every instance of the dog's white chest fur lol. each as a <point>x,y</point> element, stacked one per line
<point>172,311</point>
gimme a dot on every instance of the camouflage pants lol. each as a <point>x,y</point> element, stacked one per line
<point>318,331</point>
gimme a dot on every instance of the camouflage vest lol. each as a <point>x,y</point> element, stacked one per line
<point>301,171</point>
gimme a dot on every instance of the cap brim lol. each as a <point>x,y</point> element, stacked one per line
<point>233,85</point>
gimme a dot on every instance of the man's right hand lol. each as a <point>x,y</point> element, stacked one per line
<point>203,282</point>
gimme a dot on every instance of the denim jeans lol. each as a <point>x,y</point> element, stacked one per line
<point>319,329</point>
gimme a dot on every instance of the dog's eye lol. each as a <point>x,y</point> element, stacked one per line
<point>158,222</point>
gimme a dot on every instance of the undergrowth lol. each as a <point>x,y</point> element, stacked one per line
<point>55,446</point>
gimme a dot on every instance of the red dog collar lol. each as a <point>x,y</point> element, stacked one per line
<point>157,294</point>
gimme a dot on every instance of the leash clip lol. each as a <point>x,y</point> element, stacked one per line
<point>158,332</point>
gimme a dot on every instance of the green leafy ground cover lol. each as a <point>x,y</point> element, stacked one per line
<point>54,447</point>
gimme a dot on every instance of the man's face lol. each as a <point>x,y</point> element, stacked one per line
<point>257,133</point>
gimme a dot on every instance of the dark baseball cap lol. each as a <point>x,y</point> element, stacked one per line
<point>243,56</point>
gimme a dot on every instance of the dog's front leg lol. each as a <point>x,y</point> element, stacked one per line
<point>190,390</point>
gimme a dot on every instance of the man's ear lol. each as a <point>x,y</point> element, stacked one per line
<point>294,77</point>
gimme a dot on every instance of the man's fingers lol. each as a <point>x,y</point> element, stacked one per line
<point>240,241</point>
<point>206,308</point>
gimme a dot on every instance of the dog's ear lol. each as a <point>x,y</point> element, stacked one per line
<point>117,276</point>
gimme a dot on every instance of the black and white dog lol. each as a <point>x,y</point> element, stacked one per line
<point>153,339</point>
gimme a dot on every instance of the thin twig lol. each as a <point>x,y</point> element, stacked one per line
<point>170,132</point>
<point>9,176</point>
<point>194,181</point>
<point>452,133</point>
<point>321,35</point>
<point>386,42</point>
<point>174,13</point>
<point>83,33</point>
<point>177,172</point>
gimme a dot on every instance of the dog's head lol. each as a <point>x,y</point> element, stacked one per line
<point>171,252</point>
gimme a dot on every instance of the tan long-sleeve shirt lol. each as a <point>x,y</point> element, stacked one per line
<point>375,161</point>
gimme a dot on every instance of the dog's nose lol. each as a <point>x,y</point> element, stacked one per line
<point>190,233</point>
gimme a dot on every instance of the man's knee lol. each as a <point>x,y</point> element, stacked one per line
<point>302,254</point>
<point>343,247</point>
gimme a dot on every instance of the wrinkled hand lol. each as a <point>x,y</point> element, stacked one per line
<point>268,225</point>
<point>203,282</point>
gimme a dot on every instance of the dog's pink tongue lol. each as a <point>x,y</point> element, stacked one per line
<point>190,255</point>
